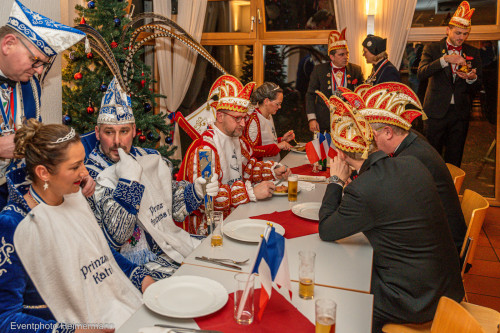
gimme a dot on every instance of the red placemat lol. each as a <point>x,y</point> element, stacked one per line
<point>295,226</point>
<point>306,170</point>
<point>279,316</point>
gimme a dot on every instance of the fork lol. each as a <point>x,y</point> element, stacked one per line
<point>229,260</point>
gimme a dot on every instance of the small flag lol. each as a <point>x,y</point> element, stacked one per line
<point>272,265</point>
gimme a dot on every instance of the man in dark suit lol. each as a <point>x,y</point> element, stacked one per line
<point>374,51</point>
<point>394,202</point>
<point>393,137</point>
<point>454,72</point>
<point>327,78</point>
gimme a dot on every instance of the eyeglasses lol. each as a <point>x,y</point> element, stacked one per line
<point>238,119</point>
<point>36,62</point>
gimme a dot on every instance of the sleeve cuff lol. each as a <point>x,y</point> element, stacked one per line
<point>443,62</point>
<point>471,81</point>
<point>311,116</point>
<point>251,195</point>
<point>129,195</point>
<point>137,275</point>
<point>192,200</point>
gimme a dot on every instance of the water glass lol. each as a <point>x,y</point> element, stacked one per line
<point>243,298</point>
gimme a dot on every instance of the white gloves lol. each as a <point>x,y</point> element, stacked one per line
<point>212,186</point>
<point>128,168</point>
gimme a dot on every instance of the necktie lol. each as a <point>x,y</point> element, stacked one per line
<point>11,83</point>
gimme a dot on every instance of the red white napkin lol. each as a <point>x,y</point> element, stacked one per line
<point>295,226</point>
<point>306,169</point>
<point>280,316</point>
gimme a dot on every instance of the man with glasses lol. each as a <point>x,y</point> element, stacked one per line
<point>241,177</point>
<point>29,43</point>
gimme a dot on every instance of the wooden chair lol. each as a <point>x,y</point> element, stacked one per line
<point>452,317</point>
<point>457,175</point>
<point>474,208</point>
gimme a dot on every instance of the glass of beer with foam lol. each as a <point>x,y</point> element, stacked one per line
<point>326,312</point>
<point>293,187</point>
<point>216,219</point>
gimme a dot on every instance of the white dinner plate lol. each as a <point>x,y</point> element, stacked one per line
<point>185,296</point>
<point>307,210</point>
<point>299,145</point>
<point>249,230</point>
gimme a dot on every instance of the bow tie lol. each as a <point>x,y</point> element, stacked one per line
<point>9,82</point>
<point>454,48</point>
<point>335,70</point>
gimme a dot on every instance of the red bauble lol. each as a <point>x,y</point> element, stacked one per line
<point>138,132</point>
<point>78,76</point>
<point>142,138</point>
<point>143,83</point>
<point>90,110</point>
<point>114,45</point>
<point>90,55</point>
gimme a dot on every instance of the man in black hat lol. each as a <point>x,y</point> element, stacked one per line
<point>374,50</point>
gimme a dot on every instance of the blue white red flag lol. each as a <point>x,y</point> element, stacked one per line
<point>272,265</point>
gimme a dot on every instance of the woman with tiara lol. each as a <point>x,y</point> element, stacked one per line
<point>56,268</point>
<point>260,130</point>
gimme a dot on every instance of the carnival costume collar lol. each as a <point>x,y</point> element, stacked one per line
<point>48,36</point>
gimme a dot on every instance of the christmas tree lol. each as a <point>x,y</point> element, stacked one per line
<point>86,77</point>
<point>247,68</point>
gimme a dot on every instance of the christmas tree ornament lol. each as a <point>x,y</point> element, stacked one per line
<point>78,76</point>
<point>152,137</point>
<point>169,140</point>
<point>114,44</point>
<point>147,107</point>
<point>91,4</point>
<point>143,82</point>
<point>90,110</point>
<point>103,87</point>
<point>67,119</point>
<point>138,132</point>
<point>82,21</point>
<point>117,21</point>
<point>142,138</point>
<point>71,55</point>
<point>90,55</point>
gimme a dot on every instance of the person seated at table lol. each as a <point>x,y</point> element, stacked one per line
<point>241,177</point>
<point>395,204</point>
<point>55,262</point>
<point>393,136</point>
<point>259,130</point>
<point>136,200</point>
<point>374,51</point>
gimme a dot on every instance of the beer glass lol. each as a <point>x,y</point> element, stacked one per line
<point>293,187</point>
<point>216,219</point>
<point>306,274</point>
<point>326,312</point>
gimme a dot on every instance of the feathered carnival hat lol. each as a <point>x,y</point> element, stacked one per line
<point>46,35</point>
<point>350,131</point>
<point>462,16</point>
<point>232,95</point>
<point>390,103</point>
<point>116,106</point>
<point>336,40</point>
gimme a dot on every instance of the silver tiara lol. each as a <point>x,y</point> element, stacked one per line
<point>277,87</point>
<point>68,136</point>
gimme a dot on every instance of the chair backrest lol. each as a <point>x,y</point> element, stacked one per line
<point>466,253</point>
<point>457,175</point>
<point>474,208</point>
<point>451,317</point>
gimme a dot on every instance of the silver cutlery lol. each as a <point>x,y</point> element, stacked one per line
<point>186,330</point>
<point>218,263</point>
<point>242,262</point>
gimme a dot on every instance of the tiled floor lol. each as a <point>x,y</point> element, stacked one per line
<point>482,282</point>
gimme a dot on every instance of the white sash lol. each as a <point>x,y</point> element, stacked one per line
<point>229,150</point>
<point>66,255</point>
<point>155,213</point>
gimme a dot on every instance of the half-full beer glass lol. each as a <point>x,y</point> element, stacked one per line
<point>293,186</point>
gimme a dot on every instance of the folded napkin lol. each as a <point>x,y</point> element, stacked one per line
<point>306,169</point>
<point>306,186</point>
<point>280,316</point>
<point>295,226</point>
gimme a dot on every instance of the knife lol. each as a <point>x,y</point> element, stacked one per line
<point>218,263</point>
<point>184,329</point>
